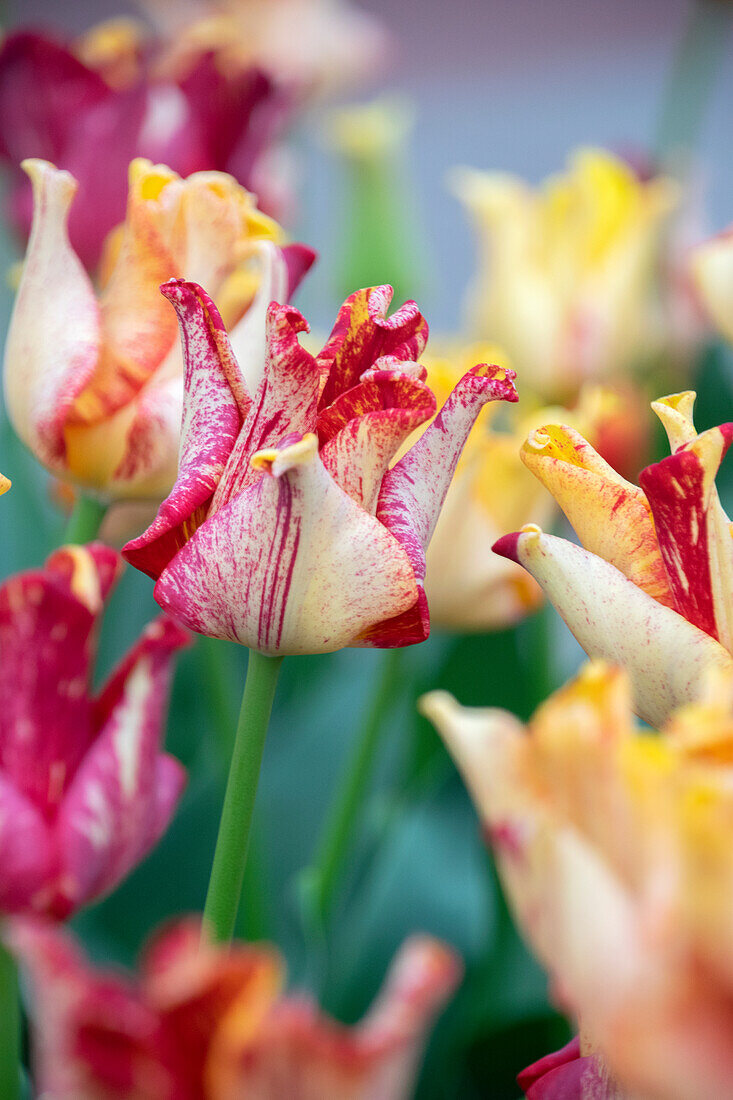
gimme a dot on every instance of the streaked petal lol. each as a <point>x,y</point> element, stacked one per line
<point>364,333</point>
<point>285,402</point>
<point>377,417</point>
<point>53,342</point>
<point>47,622</point>
<point>611,516</point>
<point>114,809</point>
<point>215,404</point>
<point>130,353</point>
<point>280,271</point>
<point>612,618</point>
<point>694,532</point>
<point>312,570</point>
<point>26,850</point>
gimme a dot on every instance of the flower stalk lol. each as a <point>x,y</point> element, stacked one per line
<point>324,876</point>
<point>9,1027</point>
<point>230,856</point>
<point>85,520</point>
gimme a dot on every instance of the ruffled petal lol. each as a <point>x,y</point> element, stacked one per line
<point>611,516</point>
<point>216,402</point>
<point>47,622</point>
<point>377,417</point>
<point>694,532</point>
<point>114,810</point>
<point>53,342</point>
<point>301,1052</point>
<point>665,656</point>
<point>284,404</point>
<point>364,333</point>
<point>311,569</point>
<point>414,489</point>
<point>280,271</point>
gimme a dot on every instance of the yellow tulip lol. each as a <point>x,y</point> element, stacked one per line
<point>614,848</point>
<point>567,277</point>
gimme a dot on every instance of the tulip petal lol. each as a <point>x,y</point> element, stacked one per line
<point>694,532</point>
<point>414,489</point>
<point>26,850</point>
<point>215,405</point>
<point>712,272</point>
<point>378,415</point>
<point>675,414</point>
<point>131,353</point>
<point>47,619</point>
<point>665,656</point>
<point>312,569</point>
<point>611,517</point>
<point>284,404</point>
<point>364,333</point>
<point>53,341</point>
<point>115,809</point>
<point>301,1052</point>
<point>281,269</point>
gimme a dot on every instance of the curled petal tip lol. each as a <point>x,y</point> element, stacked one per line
<point>291,453</point>
<point>288,315</point>
<point>508,546</point>
<point>498,381</point>
<point>5,484</point>
<point>437,706</point>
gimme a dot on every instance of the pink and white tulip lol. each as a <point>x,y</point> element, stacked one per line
<point>651,587</point>
<point>85,791</point>
<point>210,1023</point>
<point>289,529</point>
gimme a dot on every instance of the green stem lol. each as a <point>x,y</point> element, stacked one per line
<point>691,78</point>
<point>9,1027</point>
<point>85,520</point>
<point>230,856</point>
<point>337,836</point>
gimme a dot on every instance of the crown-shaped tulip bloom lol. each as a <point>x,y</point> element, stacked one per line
<point>613,844</point>
<point>93,375</point>
<point>85,791</point>
<point>651,588</point>
<point>288,529</point>
<point>210,1023</point>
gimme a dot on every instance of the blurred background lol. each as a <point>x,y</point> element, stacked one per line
<point>495,84</point>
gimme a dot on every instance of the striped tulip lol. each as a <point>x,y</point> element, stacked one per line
<point>289,528</point>
<point>85,791</point>
<point>651,586</point>
<point>211,1023</point>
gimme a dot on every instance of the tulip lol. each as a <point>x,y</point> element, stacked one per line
<point>613,845</point>
<point>711,268</point>
<point>93,381</point>
<point>207,1023</point>
<point>85,791</point>
<point>93,106</point>
<point>287,530</point>
<point>567,279</point>
<point>651,588</point>
<point>567,1074</point>
<point>317,47</point>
